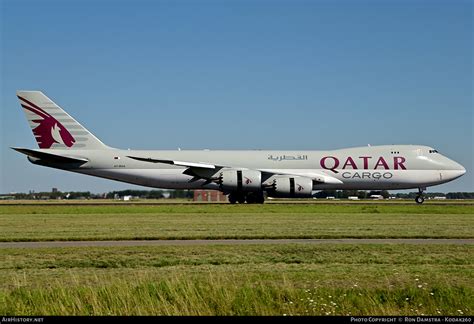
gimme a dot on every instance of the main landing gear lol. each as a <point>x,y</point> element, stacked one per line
<point>419,198</point>
<point>236,197</point>
<point>250,198</point>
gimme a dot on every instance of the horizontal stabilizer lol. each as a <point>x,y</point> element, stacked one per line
<point>49,157</point>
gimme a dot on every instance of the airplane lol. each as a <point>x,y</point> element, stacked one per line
<point>245,175</point>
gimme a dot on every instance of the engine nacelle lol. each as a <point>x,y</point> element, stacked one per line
<point>240,180</point>
<point>291,187</point>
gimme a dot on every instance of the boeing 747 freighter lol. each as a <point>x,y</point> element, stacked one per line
<point>245,176</point>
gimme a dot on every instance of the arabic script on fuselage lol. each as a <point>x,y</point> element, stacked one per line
<point>288,157</point>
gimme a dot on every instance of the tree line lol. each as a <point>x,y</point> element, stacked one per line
<point>361,194</point>
<point>188,194</point>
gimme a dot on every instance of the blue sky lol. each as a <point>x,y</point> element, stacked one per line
<point>239,75</point>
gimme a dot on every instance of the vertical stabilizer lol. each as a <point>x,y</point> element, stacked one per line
<point>52,127</point>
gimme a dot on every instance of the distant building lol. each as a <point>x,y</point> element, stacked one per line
<point>376,196</point>
<point>209,195</point>
<point>54,190</point>
<point>439,197</point>
<point>353,198</point>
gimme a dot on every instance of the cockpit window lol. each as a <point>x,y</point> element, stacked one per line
<point>434,151</point>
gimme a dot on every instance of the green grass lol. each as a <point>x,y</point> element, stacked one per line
<point>128,222</point>
<point>250,279</point>
<point>293,279</point>
<point>330,208</point>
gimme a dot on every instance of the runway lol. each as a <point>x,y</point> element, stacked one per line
<point>62,244</point>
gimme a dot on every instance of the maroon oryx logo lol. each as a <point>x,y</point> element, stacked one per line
<point>49,130</point>
<point>300,187</point>
<point>247,181</point>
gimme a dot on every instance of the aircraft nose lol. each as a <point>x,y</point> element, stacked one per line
<point>455,170</point>
<point>458,173</point>
<point>458,167</point>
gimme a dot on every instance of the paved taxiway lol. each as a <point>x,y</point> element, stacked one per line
<point>52,244</point>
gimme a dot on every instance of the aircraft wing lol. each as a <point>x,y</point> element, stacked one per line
<point>198,170</point>
<point>178,163</point>
<point>50,157</point>
<point>202,170</point>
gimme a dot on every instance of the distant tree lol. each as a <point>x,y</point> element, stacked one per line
<point>434,194</point>
<point>362,194</point>
<point>385,194</point>
<point>348,193</point>
<point>182,194</point>
<point>188,194</point>
<point>326,193</point>
<point>460,195</point>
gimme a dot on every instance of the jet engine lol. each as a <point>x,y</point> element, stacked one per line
<point>240,180</point>
<point>291,187</point>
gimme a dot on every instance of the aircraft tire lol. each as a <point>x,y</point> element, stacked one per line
<point>232,199</point>
<point>241,198</point>
<point>251,199</point>
<point>419,199</point>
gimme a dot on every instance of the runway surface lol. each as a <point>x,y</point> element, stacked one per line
<point>52,244</point>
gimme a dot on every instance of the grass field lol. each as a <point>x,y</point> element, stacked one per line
<point>291,279</point>
<point>129,222</point>
<point>188,201</point>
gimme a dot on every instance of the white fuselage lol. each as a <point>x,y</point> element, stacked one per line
<point>365,168</point>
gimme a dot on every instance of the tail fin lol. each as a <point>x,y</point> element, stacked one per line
<point>53,127</point>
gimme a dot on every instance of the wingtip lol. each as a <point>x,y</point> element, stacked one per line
<point>22,93</point>
<point>21,150</point>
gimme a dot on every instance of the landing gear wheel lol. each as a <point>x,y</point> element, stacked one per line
<point>241,199</point>
<point>251,199</point>
<point>419,199</point>
<point>232,199</point>
<point>260,199</point>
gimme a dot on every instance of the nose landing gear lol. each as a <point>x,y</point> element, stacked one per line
<point>419,198</point>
